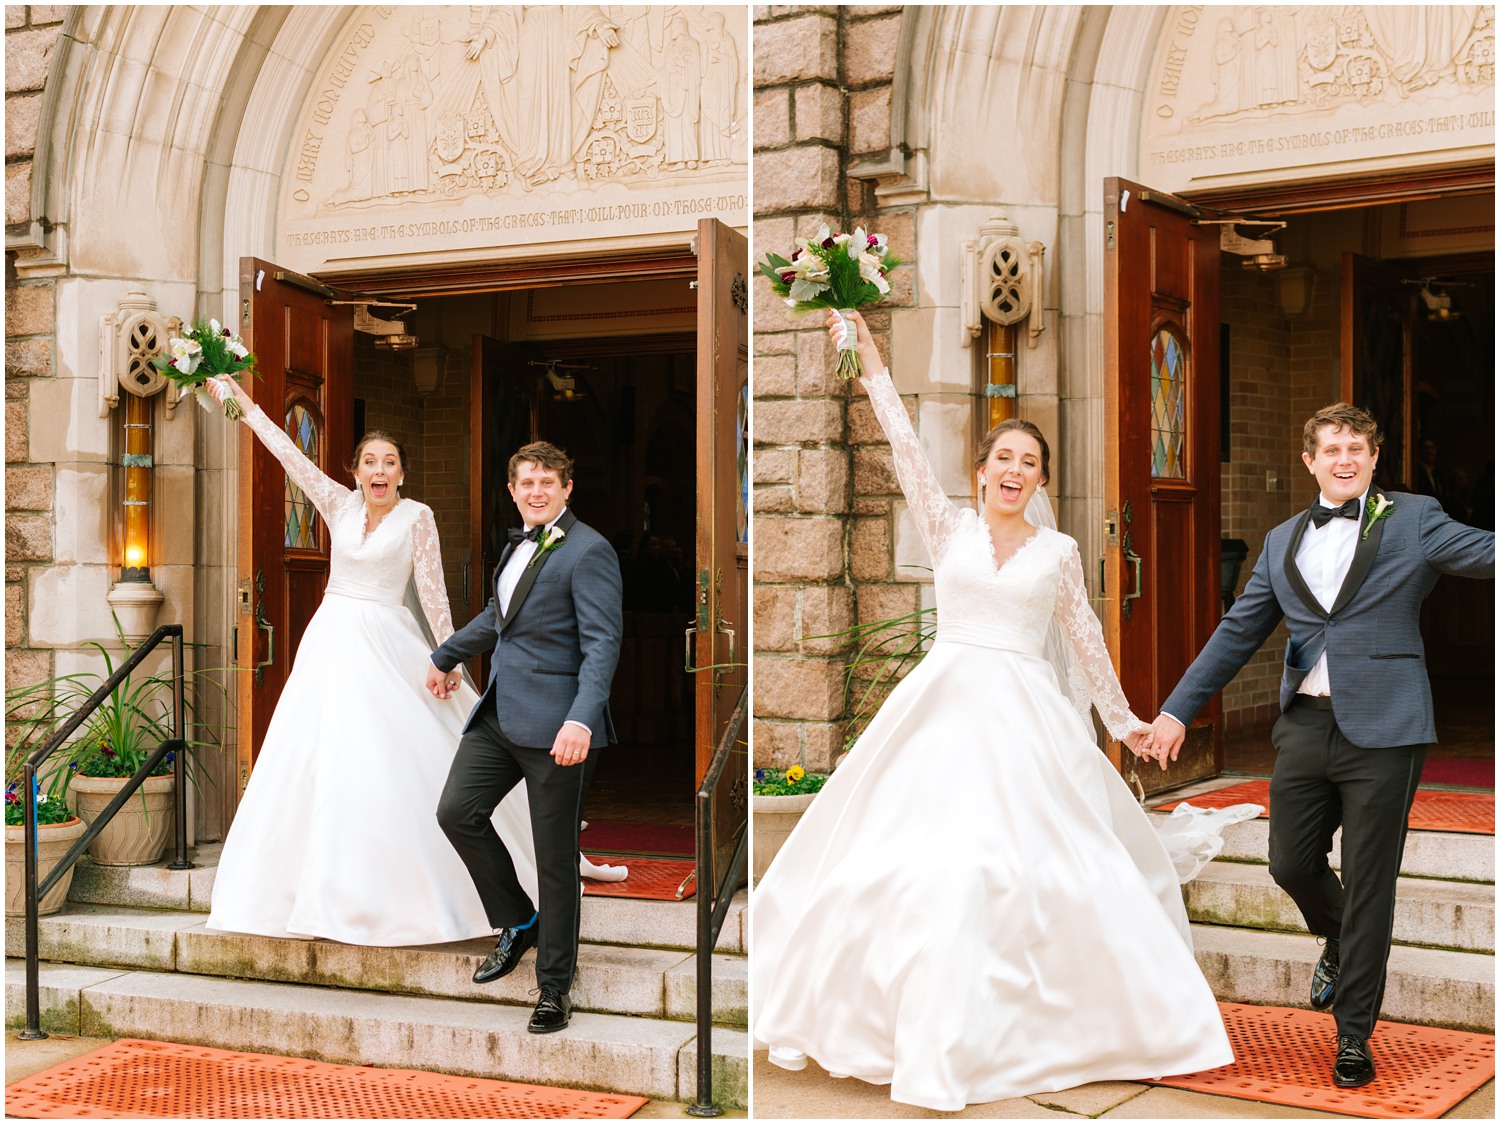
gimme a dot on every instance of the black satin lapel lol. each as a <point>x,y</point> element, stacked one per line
<point>1359,568</point>
<point>1293,575</point>
<point>533,568</point>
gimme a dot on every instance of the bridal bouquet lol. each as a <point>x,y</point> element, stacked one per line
<point>205,351</point>
<point>843,272</point>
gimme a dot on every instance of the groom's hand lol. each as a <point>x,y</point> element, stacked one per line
<point>571,745</point>
<point>1166,736</point>
<point>438,681</point>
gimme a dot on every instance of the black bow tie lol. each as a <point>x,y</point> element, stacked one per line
<point>1321,514</point>
<point>516,534</point>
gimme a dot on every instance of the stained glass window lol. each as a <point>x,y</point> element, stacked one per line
<point>1168,406</point>
<point>301,517</point>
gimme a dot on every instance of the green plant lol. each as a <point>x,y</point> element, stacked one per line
<point>796,781</point>
<point>126,728</point>
<point>49,809</point>
<point>884,651</point>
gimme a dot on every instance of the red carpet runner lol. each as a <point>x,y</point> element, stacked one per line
<point>1284,1056</point>
<point>134,1078</point>
<point>1469,812</point>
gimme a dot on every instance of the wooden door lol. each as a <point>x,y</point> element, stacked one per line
<point>1161,424</point>
<point>502,418</point>
<point>304,349</point>
<point>720,627</point>
<point>1375,358</point>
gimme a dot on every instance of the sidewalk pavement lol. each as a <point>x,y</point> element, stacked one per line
<point>811,1094</point>
<point>22,1059</point>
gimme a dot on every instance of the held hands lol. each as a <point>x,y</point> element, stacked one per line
<point>571,746</point>
<point>441,684</point>
<point>1167,735</point>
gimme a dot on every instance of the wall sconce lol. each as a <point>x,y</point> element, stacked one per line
<point>129,339</point>
<point>427,366</point>
<point>1002,277</point>
<point>1294,290</point>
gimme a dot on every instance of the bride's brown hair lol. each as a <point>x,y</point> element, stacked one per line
<point>987,444</point>
<point>377,435</point>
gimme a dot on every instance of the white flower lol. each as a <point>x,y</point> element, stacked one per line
<point>803,289</point>
<point>185,354</point>
<point>823,234</point>
<point>857,243</point>
<point>216,327</point>
<point>869,269</point>
<point>237,349</point>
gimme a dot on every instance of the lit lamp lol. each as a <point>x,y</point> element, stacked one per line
<point>129,339</point>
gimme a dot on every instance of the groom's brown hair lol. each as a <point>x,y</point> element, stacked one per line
<point>1341,415</point>
<point>546,454</point>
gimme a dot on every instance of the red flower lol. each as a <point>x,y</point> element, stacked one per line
<point>789,277</point>
<point>872,240</point>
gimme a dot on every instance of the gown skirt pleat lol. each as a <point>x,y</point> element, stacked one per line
<point>337,834</point>
<point>975,907</point>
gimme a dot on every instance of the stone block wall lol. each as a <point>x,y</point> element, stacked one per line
<point>31,34</point>
<point>823,503</point>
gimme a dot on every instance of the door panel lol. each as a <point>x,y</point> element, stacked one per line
<point>721,622</point>
<point>1161,564</point>
<point>304,349</point>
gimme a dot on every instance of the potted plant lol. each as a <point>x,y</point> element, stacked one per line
<point>777,802</point>
<point>57,829</point>
<point>126,728</point>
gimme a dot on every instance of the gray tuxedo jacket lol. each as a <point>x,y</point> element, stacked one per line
<point>555,651</point>
<point>1377,669</point>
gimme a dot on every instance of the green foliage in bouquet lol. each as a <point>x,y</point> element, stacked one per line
<point>206,350</point>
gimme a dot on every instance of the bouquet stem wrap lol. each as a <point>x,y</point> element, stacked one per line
<point>849,364</point>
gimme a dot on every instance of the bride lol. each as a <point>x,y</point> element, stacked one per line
<point>975,907</point>
<point>336,835</point>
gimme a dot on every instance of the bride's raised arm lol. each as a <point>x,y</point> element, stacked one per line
<point>325,492</point>
<point>427,571</point>
<point>1082,630</point>
<point>935,514</point>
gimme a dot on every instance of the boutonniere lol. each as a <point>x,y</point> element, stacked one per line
<point>551,540</point>
<point>1377,507</point>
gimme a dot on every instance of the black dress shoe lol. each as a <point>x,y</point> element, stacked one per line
<point>507,953</point>
<point>553,1010</point>
<point>1353,1067</point>
<point>1325,975</point>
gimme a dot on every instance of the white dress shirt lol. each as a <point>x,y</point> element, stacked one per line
<point>1323,559</point>
<point>510,577</point>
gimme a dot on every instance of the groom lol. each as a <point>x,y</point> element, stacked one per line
<point>1349,575</point>
<point>554,625</point>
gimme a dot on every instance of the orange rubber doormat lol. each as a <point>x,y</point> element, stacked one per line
<point>135,1078</point>
<point>1470,812</point>
<point>662,880</point>
<point>1285,1056</point>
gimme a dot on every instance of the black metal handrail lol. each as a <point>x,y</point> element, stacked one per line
<point>175,744</point>
<point>713,900</point>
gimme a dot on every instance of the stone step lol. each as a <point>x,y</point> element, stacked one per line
<point>1435,987</point>
<point>1456,915</point>
<point>1452,856</point>
<point>615,979</point>
<point>606,920</point>
<point>642,1056</point>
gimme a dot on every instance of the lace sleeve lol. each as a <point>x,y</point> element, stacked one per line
<point>935,514</point>
<point>427,572</point>
<point>325,492</point>
<point>1081,628</point>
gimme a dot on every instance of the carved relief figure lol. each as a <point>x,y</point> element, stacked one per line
<point>1421,43</point>
<point>721,81</point>
<point>1273,54</point>
<point>359,161</point>
<point>559,73</point>
<point>1227,68</point>
<point>681,97</point>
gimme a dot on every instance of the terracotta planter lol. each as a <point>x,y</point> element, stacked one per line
<point>774,817</point>
<point>138,834</point>
<point>53,841</point>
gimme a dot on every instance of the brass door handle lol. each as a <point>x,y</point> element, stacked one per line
<point>270,631</point>
<point>729,632</point>
<point>1133,559</point>
<point>687,647</point>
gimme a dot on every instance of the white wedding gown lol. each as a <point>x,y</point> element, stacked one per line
<point>336,835</point>
<point>975,907</point>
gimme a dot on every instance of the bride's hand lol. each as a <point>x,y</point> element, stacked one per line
<point>233,389</point>
<point>869,354</point>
